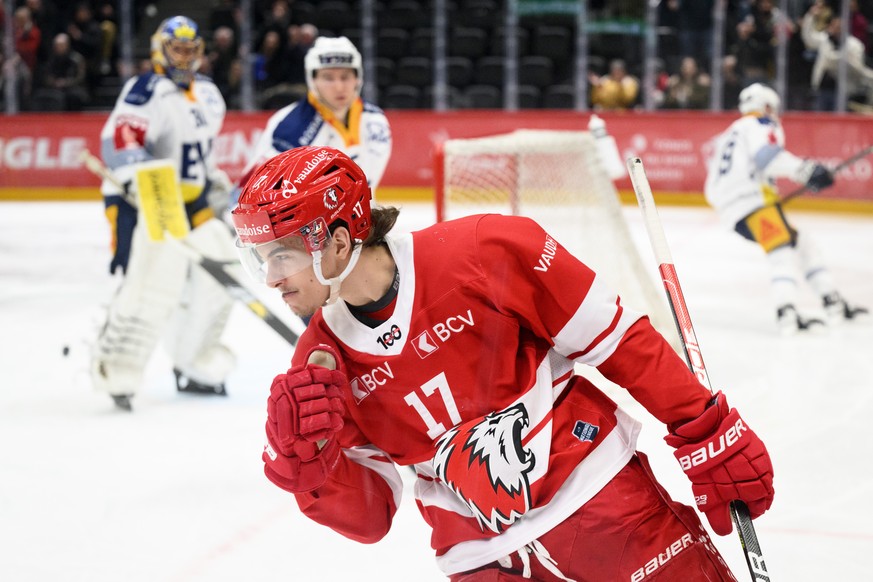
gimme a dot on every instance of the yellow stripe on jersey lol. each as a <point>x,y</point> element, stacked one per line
<point>351,134</point>
<point>768,227</point>
<point>160,200</point>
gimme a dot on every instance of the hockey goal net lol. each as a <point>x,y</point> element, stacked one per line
<point>556,178</point>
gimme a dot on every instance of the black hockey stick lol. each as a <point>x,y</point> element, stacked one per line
<point>847,162</point>
<point>739,512</point>
<point>218,270</point>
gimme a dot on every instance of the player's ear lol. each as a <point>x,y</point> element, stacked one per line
<point>341,242</point>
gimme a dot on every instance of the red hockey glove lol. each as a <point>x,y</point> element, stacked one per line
<point>725,460</point>
<point>304,413</point>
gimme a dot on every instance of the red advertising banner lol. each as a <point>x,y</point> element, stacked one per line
<point>40,152</point>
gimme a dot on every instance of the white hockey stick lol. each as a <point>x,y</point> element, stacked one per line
<point>739,511</point>
<point>217,269</point>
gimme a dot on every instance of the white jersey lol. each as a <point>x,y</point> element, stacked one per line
<point>153,118</point>
<point>748,157</point>
<point>366,139</point>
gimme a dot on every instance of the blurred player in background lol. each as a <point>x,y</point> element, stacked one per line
<point>332,114</point>
<point>740,185</point>
<point>456,348</point>
<point>169,114</point>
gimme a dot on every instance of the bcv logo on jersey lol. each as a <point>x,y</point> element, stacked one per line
<point>425,344</point>
<point>364,384</point>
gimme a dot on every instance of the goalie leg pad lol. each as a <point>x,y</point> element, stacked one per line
<point>138,314</point>
<point>194,336</point>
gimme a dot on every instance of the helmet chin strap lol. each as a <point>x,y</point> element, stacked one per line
<point>336,282</point>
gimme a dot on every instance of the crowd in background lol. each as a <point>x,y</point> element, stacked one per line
<point>67,53</point>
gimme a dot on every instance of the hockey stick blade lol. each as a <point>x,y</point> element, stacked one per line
<point>739,512</point>
<point>216,269</point>
<point>845,163</point>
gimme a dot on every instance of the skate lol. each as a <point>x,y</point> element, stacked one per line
<point>122,401</point>
<point>791,322</point>
<point>191,386</point>
<point>837,308</point>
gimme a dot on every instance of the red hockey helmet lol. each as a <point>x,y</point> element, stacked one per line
<point>294,199</point>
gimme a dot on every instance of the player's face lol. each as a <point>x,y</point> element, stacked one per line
<point>288,267</point>
<point>302,292</point>
<point>336,87</point>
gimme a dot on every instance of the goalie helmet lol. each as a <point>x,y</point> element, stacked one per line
<point>757,97</point>
<point>290,203</point>
<point>177,50</point>
<point>332,53</point>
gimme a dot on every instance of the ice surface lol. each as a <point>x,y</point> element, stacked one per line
<point>175,491</point>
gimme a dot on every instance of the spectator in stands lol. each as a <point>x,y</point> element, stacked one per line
<point>300,40</point>
<point>109,34</point>
<point>732,83</point>
<point>16,68</point>
<point>829,53</point>
<point>276,20</point>
<point>617,90</point>
<point>688,89</point>
<point>753,52</point>
<point>45,17</point>
<point>64,75</point>
<point>270,65</point>
<point>695,29</point>
<point>28,38</point>
<point>86,38</point>
<point>220,58</point>
<point>860,26</point>
<point>224,14</point>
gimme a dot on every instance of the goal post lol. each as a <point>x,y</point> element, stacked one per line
<point>556,178</point>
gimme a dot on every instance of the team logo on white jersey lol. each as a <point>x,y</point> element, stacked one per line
<point>486,466</point>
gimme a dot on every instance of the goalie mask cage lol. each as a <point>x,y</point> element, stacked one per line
<point>556,178</point>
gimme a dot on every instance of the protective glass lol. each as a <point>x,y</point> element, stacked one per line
<point>284,257</point>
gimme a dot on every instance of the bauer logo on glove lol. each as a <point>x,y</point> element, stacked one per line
<point>713,449</point>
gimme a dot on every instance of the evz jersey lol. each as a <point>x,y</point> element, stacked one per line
<point>366,138</point>
<point>748,157</point>
<point>155,119</point>
<point>471,380</point>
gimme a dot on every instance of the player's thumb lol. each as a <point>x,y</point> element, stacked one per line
<point>720,520</point>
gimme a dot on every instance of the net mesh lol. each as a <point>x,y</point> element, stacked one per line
<point>556,178</point>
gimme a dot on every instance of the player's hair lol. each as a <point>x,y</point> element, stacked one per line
<point>383,219</point>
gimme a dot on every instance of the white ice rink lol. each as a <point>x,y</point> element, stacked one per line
<point>174,492</point>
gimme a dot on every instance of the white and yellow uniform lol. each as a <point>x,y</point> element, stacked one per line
<point>740,185</point>
<point>748,158</point>
<point>366,139</point>
<point>162,295</point>
<point>156,119</point>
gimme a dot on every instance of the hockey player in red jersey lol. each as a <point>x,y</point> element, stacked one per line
<point>455,349</point>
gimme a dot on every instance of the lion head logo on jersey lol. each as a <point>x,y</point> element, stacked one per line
<point>484,463</point>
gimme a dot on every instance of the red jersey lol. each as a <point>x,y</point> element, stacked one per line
<point>471,380</point>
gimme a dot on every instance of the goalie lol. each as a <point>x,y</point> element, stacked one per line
<point>157,144</point>
<point>740,185</point>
